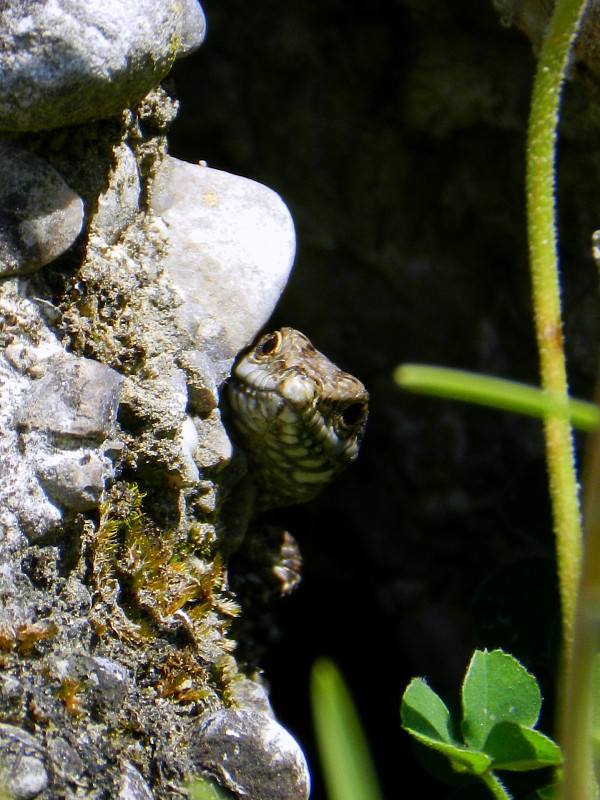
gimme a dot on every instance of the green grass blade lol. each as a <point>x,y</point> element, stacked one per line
<point>497,393</point>
<point>345,760</point>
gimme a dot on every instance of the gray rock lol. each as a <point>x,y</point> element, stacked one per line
<point>193,27</point>
<point>203,392</point>
<point>77,397</point>
<point>142,584</point>
<point>108,674</point>
<point>22,499</point>
<point>250,754</point>
<point>40,216</point>
<point>73,480</point>
<point>57,416</point>
<point>107,683</point>
<point>66,763</point>
<point>22,771</point>
<point>214,447</point>
<point>133,786</point>
<point>70,61</point>
<point>232,245</point>
<point>251,693</point>
<point>119,203</point>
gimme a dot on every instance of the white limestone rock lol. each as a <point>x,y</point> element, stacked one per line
<point>232,246</point>
<point>65,62</point>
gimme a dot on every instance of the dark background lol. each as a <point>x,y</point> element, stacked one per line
<point>395,132</point>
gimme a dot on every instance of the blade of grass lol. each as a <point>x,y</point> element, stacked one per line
<point>345,760</point>
<point>498,393</point>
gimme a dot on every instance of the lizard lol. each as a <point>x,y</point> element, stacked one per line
<point>299,418</point>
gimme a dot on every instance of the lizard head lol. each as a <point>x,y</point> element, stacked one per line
<point>300,419</point>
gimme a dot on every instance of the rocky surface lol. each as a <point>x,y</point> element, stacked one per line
<point>59,414</point>
<point>118,482</point>
<point>395,133</point>
<point>251,754</point>
<point>23,773</point>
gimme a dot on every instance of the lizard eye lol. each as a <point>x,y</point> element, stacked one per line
<point>269,344</point>
<point>352,414</point>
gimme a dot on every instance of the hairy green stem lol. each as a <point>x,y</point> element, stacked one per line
<point>495,786</point>
<point>577,657</point>
<point>541,223</point>
<point>580,691</point>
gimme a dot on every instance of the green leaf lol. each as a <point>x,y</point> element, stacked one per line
<point>426,717</point>
<point>204,788</point>
<point>517,748</point>
<point>347,765</point>
<point>462,759</point>
<point>424,713</point>
<point>550,792</point>
<point>497,689</point>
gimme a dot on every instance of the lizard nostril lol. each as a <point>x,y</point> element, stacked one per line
<point>353,414</point>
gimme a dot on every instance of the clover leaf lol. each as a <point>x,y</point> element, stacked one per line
<point>501,704</point>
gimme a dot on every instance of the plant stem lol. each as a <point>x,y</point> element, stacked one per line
<point>580,690</point>
<point>541,223</point>
<point>495,786</point>
<point>575,688</point>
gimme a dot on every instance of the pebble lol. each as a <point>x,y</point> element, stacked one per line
<point>22,772</point>
<point>76,397</point>
<point>40,216</point>
<point>65,761</point>
<point>133,786</point>
<point>70,61</point>
<point>250,754</point>
<point>119,204</point>
<point>231,249</point>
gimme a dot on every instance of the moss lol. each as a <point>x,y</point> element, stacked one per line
<point>153,584</point>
